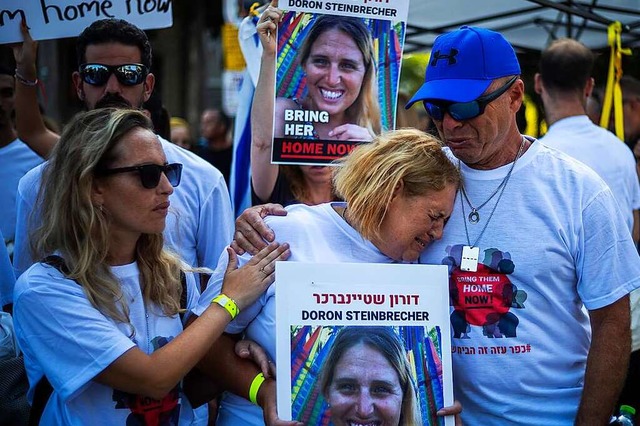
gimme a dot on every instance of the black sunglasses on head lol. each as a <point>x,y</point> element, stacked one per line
<point>127,74</point>
<point>150,173</point>
<point>460,111</point>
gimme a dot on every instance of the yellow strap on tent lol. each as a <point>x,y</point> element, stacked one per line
<point>612,91</point>
<point>531,116</point>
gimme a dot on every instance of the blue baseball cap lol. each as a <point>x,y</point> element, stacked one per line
<point>463,63</point>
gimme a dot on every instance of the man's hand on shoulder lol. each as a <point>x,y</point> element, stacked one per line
<point>252,234</point>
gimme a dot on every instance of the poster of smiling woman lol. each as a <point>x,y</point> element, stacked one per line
<point>363,344</point>
<point>337,75</point>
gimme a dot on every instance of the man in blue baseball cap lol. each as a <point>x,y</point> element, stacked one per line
<point>470,73</point>
<point>533,237</point>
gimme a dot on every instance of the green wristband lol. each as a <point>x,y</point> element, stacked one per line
<point>255,387</point>
<point>228,304</point>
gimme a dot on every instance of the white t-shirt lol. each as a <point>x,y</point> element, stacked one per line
<point>199,226</point>
<point>63,336</point>
<point>16,159</point>
<point>601,150</point>
<point>315,234</point>
<point>557,240</point>
<point>612,159</point>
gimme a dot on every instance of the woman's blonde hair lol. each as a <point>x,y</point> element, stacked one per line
<point>369,175</point>
<point>298,184</point>
<point>79,231</point>
<point>365,110</point>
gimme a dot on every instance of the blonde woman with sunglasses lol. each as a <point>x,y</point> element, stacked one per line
<point>101,320</point>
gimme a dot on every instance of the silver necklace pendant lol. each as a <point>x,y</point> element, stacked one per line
<point>474,216</point>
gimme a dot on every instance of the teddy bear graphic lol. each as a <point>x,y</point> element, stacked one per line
<point>485,297</point>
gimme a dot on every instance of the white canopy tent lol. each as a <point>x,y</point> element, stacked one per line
<point>527,24</point>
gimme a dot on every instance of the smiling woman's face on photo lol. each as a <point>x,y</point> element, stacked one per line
<point>335,70</point>
<point>365,389</point>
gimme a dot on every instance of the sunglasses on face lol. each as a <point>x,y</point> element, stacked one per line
<point>127,74</point>
<point>460,111</point>
<point>150,173</point>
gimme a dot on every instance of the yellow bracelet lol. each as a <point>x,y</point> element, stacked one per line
<point>255,387</point>
<point>228,304</point>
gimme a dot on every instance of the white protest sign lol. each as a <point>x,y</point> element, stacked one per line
<point>51,19</point>
<point>316,302</point>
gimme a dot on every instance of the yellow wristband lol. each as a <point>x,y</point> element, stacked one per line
<point>228,304</point>
<point>255,387</point>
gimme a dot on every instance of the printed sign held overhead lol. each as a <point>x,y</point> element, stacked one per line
<point>337,75</point>
<point>52,19</point>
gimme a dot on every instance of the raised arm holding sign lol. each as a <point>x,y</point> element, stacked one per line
<point>270,182</point>
<point>335,78</point>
